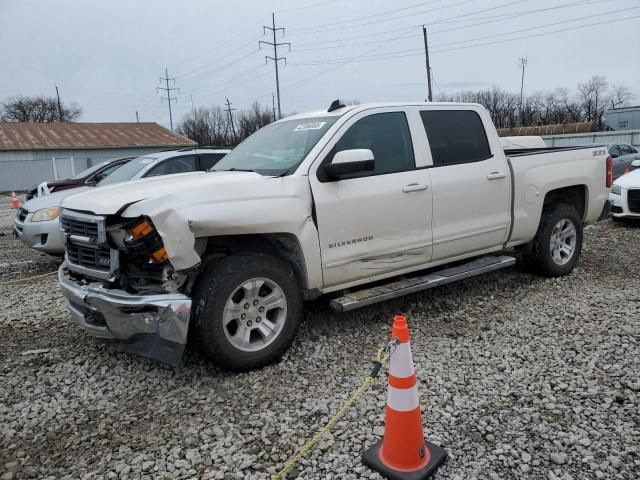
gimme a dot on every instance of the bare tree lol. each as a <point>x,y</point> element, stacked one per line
<point>592,97</point>
<point>619,96</point>
<point>38,109</point>
<point>211,125</point>
<point>253,119</point>
<point>588,104</point>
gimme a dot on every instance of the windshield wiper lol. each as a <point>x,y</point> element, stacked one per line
<point>234,169</point>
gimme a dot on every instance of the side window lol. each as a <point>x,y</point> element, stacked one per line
<point>455,136</point>
<point>614,150</point>
<point>208,160</point>
<point>387,136</point>
<point>183,164</point>
<point>626,150</point>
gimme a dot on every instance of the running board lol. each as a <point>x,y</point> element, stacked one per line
<point>405,286</point>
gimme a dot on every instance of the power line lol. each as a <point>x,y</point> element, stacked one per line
<point>275,58</point>
<point>205,75</point>
<point>418,51</point>
<point>390,19</point>
<point>168,90</point>
<point>235,84</point>
<point>351,20</point>
<point>492,19</point>
<point>344,63</point>
<point>306,7</point>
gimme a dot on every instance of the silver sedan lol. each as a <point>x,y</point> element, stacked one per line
<point>37,225</point>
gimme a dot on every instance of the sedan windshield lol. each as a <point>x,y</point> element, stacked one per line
<point>89,171</point>
<point>277,148</point>
<point>126,171</point>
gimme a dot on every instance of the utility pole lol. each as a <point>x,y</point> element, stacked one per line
<point>523,63</point>
<point>426,54</point>
<point>230,113</point>
<point>273,105</point>
<point>275,58</point>
<point>59,105</point>
<point>192,102</point>
<point>169,98</point>
<point>137,117</point>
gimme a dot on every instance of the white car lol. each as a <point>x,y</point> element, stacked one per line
<point>320,203</point>
<point>37,223</point>
<point>625,194</point>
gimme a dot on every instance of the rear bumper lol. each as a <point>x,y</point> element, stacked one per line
<point>155,326</point>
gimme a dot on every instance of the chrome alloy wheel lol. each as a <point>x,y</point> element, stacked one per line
<point>254,314</point>
<point>563,241</point>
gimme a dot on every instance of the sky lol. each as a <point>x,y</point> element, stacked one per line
<point>108,56</point>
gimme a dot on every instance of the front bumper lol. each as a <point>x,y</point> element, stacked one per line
<point>42,236</point>
<point>620,207</point>
<point>155,326</point>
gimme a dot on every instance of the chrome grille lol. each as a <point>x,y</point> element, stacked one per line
<point>95,258</point>
<point>87,250</point>
<point>633,200</point>
<point>73,226</point>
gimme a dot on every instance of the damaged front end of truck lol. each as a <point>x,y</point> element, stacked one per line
<point>121,287</point>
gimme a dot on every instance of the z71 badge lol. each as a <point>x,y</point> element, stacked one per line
<point>350,242</point>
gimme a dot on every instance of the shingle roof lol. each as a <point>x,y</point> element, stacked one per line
<point>38,136</point>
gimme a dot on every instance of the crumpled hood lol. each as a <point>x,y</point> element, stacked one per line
<point>110,199</point>
<point>52,200</point>
<point>629,180</point>
<point>185,206</point>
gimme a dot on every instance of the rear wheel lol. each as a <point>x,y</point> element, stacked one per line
<point>247,311</point>
<point>558,242</point>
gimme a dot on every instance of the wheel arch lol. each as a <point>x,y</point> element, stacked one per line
<point>576,196</point>
<point>283,246</point>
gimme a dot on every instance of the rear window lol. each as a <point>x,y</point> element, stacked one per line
<point>455,136</point>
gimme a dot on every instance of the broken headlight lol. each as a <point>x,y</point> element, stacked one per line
<point>142,237</point>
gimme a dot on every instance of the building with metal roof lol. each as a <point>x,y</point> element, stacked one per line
<point>31,153</point>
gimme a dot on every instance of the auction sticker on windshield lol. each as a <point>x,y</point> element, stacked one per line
<point>309,126</point>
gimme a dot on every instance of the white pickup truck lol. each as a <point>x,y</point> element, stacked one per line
<point>406,195</point>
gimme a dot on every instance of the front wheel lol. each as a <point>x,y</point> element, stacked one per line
<point>555,249</point>
<point>247,311</point>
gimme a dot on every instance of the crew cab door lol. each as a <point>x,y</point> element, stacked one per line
<point>374,223</point>
<point>471,183</point>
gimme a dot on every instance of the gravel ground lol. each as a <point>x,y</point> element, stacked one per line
<point>519,377</point>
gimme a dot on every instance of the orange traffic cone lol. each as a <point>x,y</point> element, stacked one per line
<point>14,200</point>
<point>403,453</point>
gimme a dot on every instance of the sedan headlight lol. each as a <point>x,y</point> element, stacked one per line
<point>616,190</point>
<point>45,214</point>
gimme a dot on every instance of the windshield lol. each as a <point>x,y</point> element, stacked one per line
<point>89,171</point>
<point>276,148</point>
<point>126,171</point>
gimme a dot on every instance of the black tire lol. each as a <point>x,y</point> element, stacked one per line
<point>215,287</point>
<point>539,257</point>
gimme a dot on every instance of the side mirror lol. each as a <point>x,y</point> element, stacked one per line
<point>614,155</point>
<point>635,163</point>
<point>347,162</point>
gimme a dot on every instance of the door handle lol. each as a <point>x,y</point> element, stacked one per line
<point>413,187</point>
<point>496,175</point>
